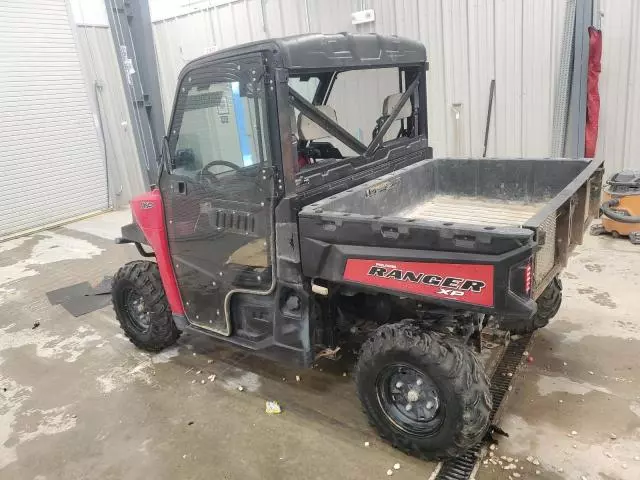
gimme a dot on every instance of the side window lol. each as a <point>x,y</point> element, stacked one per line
<point>218,122</point>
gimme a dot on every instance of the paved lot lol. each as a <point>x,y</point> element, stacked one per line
<point>79,401</point>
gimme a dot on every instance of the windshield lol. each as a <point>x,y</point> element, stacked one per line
<point>338,115</point>
<point>217,127</point>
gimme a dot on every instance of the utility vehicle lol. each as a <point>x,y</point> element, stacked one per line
<point>299,206</point>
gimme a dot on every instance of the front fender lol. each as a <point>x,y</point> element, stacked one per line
<point>149,228</point>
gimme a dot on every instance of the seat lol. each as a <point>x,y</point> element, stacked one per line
<point>391,101</point>
<point>309,130</point>
<point>388,105</point>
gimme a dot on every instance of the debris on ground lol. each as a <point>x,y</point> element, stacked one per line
<point>209,361</point>
<point>191,422</point>
<point>613,436</point>
<point>516,475</point>
<point>564,363</point>
<point>590,372</point>
<point>636,458</point>
<point>198,372</point>
<point>193,381</point>
<point>537,472</point>
<point>344,374</point>
<point>272,407</point>
<point>297,378</point>
<point>396,466</point>
<point>608,454</point>
<point>184,456</point>
<point>625,466</point>
<point>492,446</point>
<point>203,381</point>
<point>36,324</point>
<point>389,472</point>
<point>240,388</point>
<point>573,433</point>
<point>366,444</point>
<point>211,378</point>
<point>194,354</point>
<point>328,353</point>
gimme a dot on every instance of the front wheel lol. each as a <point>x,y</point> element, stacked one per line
<point>141,306</point>
<point>425,392</point>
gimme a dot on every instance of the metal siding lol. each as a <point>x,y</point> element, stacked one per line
<point>468,42</point>
<point>52,164</point>
<point>99,62</point>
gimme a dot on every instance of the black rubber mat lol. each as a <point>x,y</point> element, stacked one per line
<point>460,468</point>
<point>64,294</point>
<point>79,306</point>
<point>82,298</point>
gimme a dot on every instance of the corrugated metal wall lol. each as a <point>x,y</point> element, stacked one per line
<point>104,84</point>
<point>469,42</point>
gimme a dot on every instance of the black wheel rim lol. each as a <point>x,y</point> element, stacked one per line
<point>136,311</point>
<point>409,399</point>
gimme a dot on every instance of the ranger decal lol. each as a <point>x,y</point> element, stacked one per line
<point>468,283</point>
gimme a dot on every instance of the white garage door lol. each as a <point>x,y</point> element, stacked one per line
<point>51,162</point>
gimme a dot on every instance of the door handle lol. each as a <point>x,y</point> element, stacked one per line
<point>181,188</point>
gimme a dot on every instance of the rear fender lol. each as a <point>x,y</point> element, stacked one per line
<point>148,213</point>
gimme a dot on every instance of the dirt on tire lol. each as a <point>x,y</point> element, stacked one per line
<point>143,277</point>
<point>455,370</point>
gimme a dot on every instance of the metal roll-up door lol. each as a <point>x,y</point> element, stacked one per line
<point>52,166</point>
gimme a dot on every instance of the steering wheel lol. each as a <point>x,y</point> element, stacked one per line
<point>212,176</point>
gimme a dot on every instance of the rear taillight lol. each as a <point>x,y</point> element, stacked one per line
<point>528,277</point>
<point>521,278</point>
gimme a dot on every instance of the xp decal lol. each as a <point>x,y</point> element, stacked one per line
<point>469,283</point>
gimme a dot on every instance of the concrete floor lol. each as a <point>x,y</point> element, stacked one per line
<point>78,401</point>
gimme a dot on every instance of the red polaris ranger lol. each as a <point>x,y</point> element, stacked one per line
<point>298,197</point>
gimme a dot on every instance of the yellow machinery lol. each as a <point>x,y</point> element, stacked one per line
<point>621,207</point>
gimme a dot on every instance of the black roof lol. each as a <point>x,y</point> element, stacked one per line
<point>315,51</point>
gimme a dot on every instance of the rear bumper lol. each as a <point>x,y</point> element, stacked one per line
<point>457,280</point>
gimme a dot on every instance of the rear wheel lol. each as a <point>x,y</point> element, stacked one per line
<point>141,306</point>
<point>548,305</point>
<point>425,392</point>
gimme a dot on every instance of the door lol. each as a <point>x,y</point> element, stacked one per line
<point>53,167</point>
<point>217,191</point>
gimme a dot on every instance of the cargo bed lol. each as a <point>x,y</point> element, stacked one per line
<point>452,207</point>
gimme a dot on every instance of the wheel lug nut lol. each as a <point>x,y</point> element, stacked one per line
<point>419,382</point>
<point>408,407</point>
<point>429,405</point>
<point>399,385</point>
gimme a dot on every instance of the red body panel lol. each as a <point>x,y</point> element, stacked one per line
<point>467,283</point>
<point>148,212</point>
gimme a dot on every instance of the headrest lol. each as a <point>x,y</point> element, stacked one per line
<point>390,103</point>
